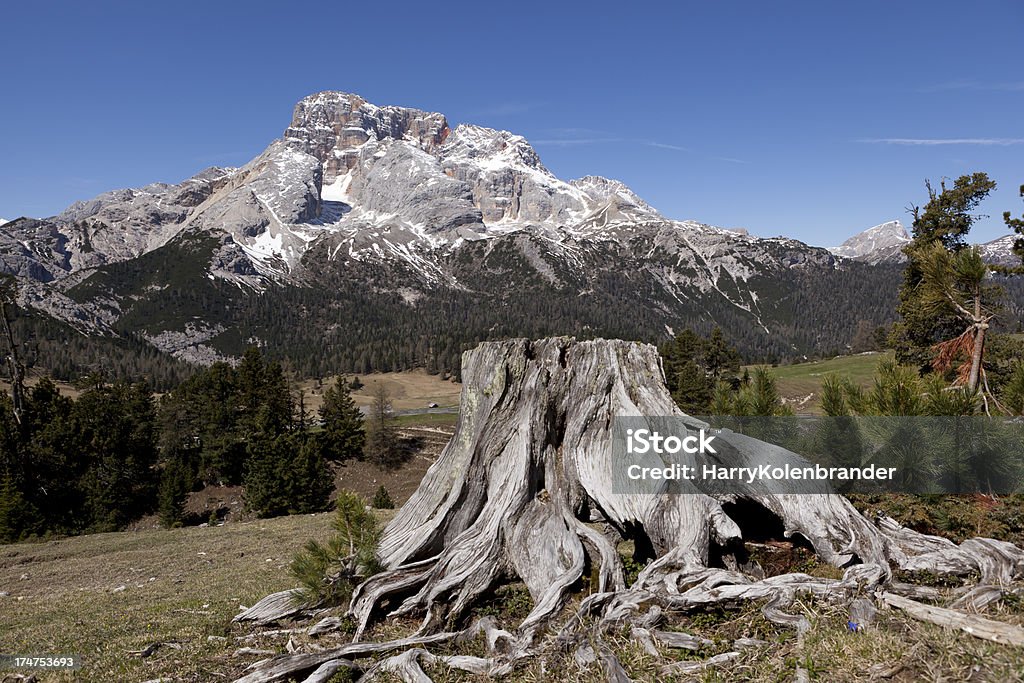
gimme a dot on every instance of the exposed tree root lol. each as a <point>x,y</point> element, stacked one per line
<point>513,494</point>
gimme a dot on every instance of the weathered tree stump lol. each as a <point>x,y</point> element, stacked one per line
<point>531,462</point>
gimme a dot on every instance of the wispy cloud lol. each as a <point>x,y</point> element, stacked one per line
<point>576,132</point>
<point>574,137</point>
<point>934,142</point>
<point>662,145</point>
<point>1003,86</point>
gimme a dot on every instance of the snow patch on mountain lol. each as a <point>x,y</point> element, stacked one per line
<point>1000,251</point>
<point>880,243</point>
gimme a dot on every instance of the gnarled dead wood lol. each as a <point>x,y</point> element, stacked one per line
<point>327,670</point>
<point>289,665</point>
<point>272,608</point>
<point>979,627</point>
<point>532,463</point>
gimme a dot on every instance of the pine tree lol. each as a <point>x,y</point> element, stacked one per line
<point>837,436</point>
<point>719,356</point>
<point>945,220</point>
<point>328,572</point>
<point>1013,392</point>
<point>1016,225</point>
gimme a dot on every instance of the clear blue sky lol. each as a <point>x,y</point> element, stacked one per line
<point>812,119</point>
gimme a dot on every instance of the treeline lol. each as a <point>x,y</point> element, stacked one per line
<point>367,316</point>
<point>115,453</point>
<point>353,325</point>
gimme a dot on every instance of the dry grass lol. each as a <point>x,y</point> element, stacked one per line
<point>180,587</point>
<point>896,648</point>
<point>408,390</point>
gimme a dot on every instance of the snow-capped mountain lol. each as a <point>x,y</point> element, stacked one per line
<point>1000,251</point>
<point>884,244</point>
<point>879,244</point>
<point>358,202</point>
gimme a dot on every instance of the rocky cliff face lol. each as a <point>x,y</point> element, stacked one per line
<point>333,127</point>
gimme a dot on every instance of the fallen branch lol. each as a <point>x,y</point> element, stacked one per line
<point>979,627</point>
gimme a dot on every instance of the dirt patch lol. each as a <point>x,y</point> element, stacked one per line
<point>365,478</point>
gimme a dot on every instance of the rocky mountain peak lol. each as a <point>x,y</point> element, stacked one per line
<point>878,244</point>
<point>600,187</point>
<point>490,148</point>
<point>332,126</point>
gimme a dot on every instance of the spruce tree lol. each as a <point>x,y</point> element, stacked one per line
<point>265,478</point>
<point>286,475</point>
<point>309,478</point>
<point>382,499</point>
<point>175,485</point>
<point>344,435</point>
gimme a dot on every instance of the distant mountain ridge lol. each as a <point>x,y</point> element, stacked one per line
<point>370,237</point>
<point>879,244</point>
<point>884,244</point>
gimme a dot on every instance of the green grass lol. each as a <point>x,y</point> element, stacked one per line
<point>427,420</point>
<point>797,382</point>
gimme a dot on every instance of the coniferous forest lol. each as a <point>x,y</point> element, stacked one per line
<point>115,453</point>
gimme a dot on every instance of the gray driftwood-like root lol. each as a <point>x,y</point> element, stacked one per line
<point>512,497</point>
